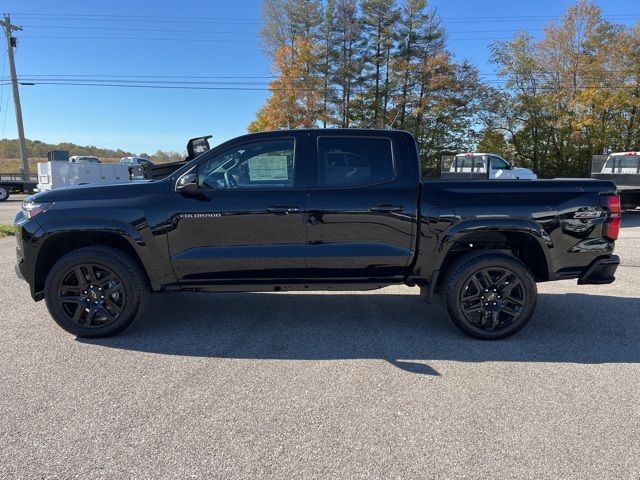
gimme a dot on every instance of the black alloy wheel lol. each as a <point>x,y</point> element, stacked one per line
<point>91,295</point>
<point>95,291</point>
<point>489,295</point>
<point>493,298</point>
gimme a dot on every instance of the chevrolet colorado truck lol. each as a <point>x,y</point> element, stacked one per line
<point>314,210</point>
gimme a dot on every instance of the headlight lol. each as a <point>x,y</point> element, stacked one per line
<point>31,208</point>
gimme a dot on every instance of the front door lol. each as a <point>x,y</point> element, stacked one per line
<point>246,219</point>
<point>500,169</point>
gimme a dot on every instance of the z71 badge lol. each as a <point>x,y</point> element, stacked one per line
<point>587,214</point>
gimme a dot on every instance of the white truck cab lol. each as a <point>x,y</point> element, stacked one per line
<point>496,167</point>
<point>622,162</point>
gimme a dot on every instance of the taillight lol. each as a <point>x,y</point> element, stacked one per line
<point>611,227</point>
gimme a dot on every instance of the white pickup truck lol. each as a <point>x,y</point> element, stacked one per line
<point>624,169</point>
<point>483,166</point>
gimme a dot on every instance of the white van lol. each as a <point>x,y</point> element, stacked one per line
<point>493,166</point>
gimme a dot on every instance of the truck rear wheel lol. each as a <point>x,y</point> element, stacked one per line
<point>4,194</point>
<point>95,291</point>
<point>490,295</point>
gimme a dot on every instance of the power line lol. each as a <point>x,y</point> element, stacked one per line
<point>172,87</point>
<point>173,39</point>
<point>127,29</point>
<point>146,76</point>
<point>209,40</point>
<point>163,17</point>
<point>210,32</point>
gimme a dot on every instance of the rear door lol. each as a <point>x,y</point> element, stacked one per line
<point>362,207</point>
<point>246,220</point>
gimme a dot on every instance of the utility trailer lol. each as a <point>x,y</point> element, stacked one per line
<point>52,175</point>
<point>14,183</point>
<point>623,168</point>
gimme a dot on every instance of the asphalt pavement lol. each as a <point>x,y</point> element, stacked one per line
<point>10,207</point>
<point>326,385</point>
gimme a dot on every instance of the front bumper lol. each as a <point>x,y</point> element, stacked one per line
<point>601,271</point>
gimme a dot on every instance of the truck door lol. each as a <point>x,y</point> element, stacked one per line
<point>245,220</point>
<point>361,209</point>
<point>500,169</point>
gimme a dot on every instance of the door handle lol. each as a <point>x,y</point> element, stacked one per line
<point>387,208</point>
<point>315,219</point>
<point>283,210</point>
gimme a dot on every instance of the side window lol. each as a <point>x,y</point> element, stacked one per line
<point>265,164</point>
<point>499,164</point>
<point>478,163</point>
<point>352,162</point>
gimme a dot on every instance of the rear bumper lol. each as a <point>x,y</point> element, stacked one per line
<point>601,271</point>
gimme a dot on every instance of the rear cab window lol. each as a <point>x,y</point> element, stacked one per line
<point>354,161</point>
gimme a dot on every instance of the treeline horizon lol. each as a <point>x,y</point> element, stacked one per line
<point>557,101</point>
<point>10,149</point>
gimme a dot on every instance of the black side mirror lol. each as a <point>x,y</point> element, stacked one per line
<point>197,146</point>
<point>188,183</point>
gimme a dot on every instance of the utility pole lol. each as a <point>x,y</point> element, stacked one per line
<point>11,43</point>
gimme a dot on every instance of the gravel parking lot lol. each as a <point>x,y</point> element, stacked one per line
<point>348,385</point>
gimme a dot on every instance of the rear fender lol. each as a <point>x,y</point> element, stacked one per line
<point>432,257</point>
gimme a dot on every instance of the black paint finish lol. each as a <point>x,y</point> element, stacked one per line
<point>400,230</point>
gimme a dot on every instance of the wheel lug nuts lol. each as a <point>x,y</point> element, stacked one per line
<point>101,296</point>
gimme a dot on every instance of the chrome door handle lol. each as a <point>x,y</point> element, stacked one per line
<point>283,210</point>
<point>387,208</point>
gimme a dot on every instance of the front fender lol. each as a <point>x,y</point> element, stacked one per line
<point>122,228</point>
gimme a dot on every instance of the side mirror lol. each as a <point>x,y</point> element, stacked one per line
<point>197,146</point>
<point>188,183</point>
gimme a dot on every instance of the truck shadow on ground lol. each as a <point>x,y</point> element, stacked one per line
<point>573,328</point>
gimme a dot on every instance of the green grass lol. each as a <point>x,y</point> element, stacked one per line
<point>7,230</point>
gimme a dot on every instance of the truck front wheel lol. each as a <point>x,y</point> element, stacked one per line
<point>4,194</point>
<point>490,295</point>
<point>95,291</point>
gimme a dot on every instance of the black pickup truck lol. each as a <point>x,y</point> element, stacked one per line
<point>314,210</point>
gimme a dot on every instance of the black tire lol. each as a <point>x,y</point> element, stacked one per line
<point>103,303</point>
<point>489,295</point>
<point>4,194</point>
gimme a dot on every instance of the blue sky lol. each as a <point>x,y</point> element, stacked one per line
<point>194,38</point>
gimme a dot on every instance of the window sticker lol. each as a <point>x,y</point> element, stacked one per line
<point>268,168</point>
